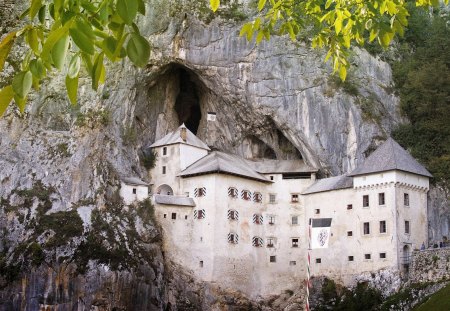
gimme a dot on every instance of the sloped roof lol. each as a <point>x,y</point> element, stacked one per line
<point>175,138</point>
<point>390,156</point>
<point>328,184</point>
<point>174,200</point>
<point>266,166</point>
<point>220,162</point>
<point>134,181</point>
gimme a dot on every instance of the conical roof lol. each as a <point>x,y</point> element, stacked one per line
<point>390,156</point>
<point>175,138</point>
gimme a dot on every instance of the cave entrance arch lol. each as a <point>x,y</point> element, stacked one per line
<point>164,190</point>
<point>187,104</point>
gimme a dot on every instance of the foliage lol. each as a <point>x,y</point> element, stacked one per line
<point>87,31</point>
<point>438,301</point>
<point>422,78</point>
<point>335,24</point>
<point>149,158</point>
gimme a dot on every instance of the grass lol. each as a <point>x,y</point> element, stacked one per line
<point>438,301</point>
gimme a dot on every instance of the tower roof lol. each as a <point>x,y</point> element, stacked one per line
<point>175,137</point>
<point>390,156</point>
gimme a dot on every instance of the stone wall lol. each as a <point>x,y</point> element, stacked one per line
<point>430,265</point>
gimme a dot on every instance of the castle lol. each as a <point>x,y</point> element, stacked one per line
<point>243,224</point>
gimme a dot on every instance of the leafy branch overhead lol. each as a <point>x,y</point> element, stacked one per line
<point>64,34</point>
<point>335,24</point>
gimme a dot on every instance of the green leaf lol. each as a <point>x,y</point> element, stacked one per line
<point>259,36</point>
<point>74,66</point>
<point>261,4</point>
<point>21,83</point>
<point>41,14</point>
<point>54,36</point>
<point>72,89</point>
<point>138,50</point>
<point>82,41</point>
<point>5,47</point>
<point>342,73</point>
<point>20,102</point>
<point>6,96</point>
<point>33,40</point>
<point>59,52</point>
<point>34,8</point>
<point>109,46</point>
<point>328,3</point>
<point>37,68</point>
<point>141,7</point>
<point>98,72</point>
<point>127,10</point>
<point>214,4</point>
<point>85,28</point>
<point>247,28</point>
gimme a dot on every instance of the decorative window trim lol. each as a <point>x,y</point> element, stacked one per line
<point>246,195</point>
<point>233,238</point>
<point>200,192</point>
<point>258,219</point>
<point>233,192</point>
<point>257,241</point>
<point>233,214</point>
<point>257,197</point>
<point>199,214</point>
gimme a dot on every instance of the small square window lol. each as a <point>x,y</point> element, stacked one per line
<point>272,198</point>
<point>164,151</point>
<point>351,258</point>
<point>295,242</point>
<point>174,215</point>
<point>317,211</point>
<point>349,233</point>
<point>295,220</point>
<point>134,190</point>
<point>382,255</point>
<point>292,263</point>
<point>185,216</point>
<point>186,194</point>
<point>406,199</point>
<point>367,256</point>
<point>407,227</point>
<point>273,259</point>
<point>366,200</point>
<point>201,263</point>
<point>383,226</point>
<point>318,260</point>
<point>271,177</point>
<point>271,219</point>
<point>163,169</point>
<point>165,215</point>
<point>366,228</point>
<point>349,206</point>
<point>270,242</point>
<point>381,199</point>
<point>294,198</point>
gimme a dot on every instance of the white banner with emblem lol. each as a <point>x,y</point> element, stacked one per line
<point>320,232</point>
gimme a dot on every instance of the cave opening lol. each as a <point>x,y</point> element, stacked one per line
<point>187,104</point>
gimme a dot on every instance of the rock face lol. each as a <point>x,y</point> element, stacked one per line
<point>276,100</point>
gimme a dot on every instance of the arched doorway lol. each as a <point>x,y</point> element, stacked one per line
<point>164,190</point>
<point>406,258</point>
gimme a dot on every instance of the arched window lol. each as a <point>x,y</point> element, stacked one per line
<point>232,192</point>
<point>257,241</point>
<point>164,190</point>
<point>233,214</point>
<point>246,195</point>
<point>257,197</point>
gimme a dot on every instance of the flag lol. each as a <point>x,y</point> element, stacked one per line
<point>320,232</point>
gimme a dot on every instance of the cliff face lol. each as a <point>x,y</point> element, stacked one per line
<point>61,165</point>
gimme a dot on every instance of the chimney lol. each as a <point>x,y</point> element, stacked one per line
<point>183,133</point>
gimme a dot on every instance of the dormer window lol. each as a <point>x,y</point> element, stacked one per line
<point>257,197</point>
<point>232,192</point>
<point>246,195</point>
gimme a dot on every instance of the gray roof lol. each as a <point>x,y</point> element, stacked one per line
<point>328,184</point>
<point>390,156</point>
<point>174,200</point>
<point>220,162</point>
<point>134,181</point>
<point>266,166</point>
<point>175,138</point>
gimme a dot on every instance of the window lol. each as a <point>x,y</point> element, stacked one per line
<point>174,215</point>
<point>272,198</point>
<point>295,242</point>
<point>366,228</point>
<point>201,263</point>
<point>186,194</point>
<point>317,211</point>
<point>350,258</point>
<point>233,215</point>
<point>367,256</point>
<point>271,219</point>
<point>349,206</point>
<point>246,195</point>
<point>257,197</point>
<point>270,242</point>
<point>318,260</point>
<point>257,241</point>
<point>294,198</point>
<point>366,200</point>
<point>134,190</point>
<point>383,226</point>
<point>381,199</point>
<point>164,151</point>
<point>271,177</point>
<point>295,220</point>
<point>273,259</point>
<point>233,238</point>
<point>199,214</point>
<point>163,169</point>
<point>292,263</point>
<point>232,192</point>
<point>257,219</point>
<point>407,228</point>
<point>406,199</point>
<point>382,255</point>
<point>200,192</point>
<point>185,216</point>
<point>349,233</point>
<point>165,215</point>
